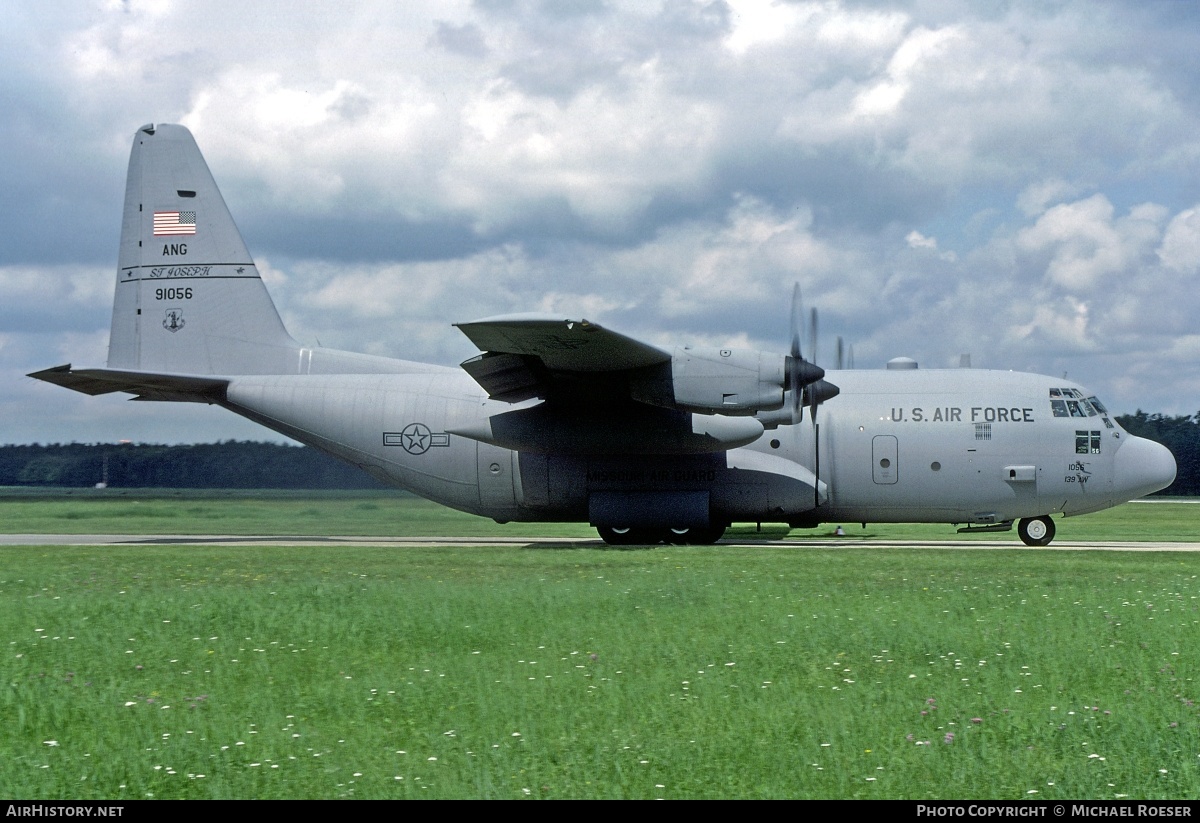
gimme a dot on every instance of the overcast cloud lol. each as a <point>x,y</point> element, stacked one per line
<point>1019,181</point>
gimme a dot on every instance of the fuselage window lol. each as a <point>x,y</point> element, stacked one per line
<point>1059,407</point>
<point>1087,442</point>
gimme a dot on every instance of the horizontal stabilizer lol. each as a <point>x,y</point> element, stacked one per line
<point>146,385</point>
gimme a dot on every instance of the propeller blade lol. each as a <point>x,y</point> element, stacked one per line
<point>812,335</point>
<point>795,323</point>
<point>812,348</point>
<point>796,358</point>
<point>841,364</point>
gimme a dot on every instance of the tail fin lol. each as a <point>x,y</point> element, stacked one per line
<point>189,299</point>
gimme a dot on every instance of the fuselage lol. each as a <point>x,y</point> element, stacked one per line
<point>953,446</point>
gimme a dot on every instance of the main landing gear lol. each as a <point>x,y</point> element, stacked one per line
<point>645,536</point>
<point>1036,531</point>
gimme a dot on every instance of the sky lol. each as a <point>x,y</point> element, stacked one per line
<point>1014,181</point>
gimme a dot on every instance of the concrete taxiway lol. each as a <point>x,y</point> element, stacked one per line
<point>134,540</point>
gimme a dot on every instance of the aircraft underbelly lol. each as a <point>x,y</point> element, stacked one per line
<point>739,484</point>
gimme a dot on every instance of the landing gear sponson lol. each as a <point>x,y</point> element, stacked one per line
<point>649,536</point>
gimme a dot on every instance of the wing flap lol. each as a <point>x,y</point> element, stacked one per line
<point>506,377</point>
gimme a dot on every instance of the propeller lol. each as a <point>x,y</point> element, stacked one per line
<point>801,372</point>
<point>808,384</point>
<point>815,391</point>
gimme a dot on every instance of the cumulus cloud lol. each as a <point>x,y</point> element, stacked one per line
<point>940,178</point>
<point>1180,249</point>
<point>1087,246</point>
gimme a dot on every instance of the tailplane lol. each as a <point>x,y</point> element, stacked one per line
<point>189,299</point>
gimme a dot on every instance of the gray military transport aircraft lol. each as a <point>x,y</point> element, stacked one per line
<point>561,419</point>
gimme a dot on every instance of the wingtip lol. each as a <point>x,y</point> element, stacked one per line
<point>41,374</point>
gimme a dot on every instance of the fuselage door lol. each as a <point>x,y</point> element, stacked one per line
<point>884,469</point>
<point>496,477</point>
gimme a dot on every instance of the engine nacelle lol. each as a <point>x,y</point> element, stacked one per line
<point>727,381</point>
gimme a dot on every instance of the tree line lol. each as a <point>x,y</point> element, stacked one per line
<point>1181,435</point>
<point>228,465</point>
<point>252,465</point>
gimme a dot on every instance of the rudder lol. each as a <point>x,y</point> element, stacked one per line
<point>189,299</point>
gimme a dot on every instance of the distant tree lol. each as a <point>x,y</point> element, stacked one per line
<point>228,465</point>
<point>1179,434</point>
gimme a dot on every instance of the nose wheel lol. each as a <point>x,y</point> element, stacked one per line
<point>1036,531</point>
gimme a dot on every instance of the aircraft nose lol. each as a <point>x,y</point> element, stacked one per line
<point>1143,467</point>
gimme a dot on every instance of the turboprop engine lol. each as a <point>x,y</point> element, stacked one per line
<point>727,381</point>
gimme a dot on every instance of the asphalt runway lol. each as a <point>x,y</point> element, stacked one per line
<point>133,540</point>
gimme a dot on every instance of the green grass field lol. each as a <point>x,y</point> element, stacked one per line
<point>526,672</point>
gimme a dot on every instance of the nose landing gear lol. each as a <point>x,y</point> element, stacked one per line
<point>1036,531</point>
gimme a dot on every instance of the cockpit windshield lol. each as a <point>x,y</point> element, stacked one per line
<point>1071,403</point>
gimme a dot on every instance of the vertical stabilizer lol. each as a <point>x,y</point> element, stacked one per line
<point>189,299</point>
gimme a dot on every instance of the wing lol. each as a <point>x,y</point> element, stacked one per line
<point>603,392</point>
<point>534,355</point>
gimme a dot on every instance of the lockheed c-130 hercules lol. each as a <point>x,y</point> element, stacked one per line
<point>562,419</point>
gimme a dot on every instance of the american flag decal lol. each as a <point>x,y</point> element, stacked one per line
<point>174,222</point>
